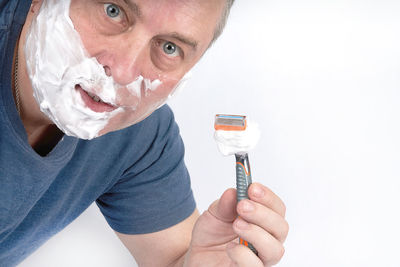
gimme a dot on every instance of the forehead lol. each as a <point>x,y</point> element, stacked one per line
<point>197,18</point>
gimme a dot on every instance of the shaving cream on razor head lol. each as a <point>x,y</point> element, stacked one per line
<point>235,134</point>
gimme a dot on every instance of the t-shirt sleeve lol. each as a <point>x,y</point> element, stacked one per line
<point>154,193</point>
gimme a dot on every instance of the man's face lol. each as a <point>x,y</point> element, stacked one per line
<point>159,40</point>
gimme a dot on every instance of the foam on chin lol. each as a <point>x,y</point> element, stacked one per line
<point>57,62</point>
<point>237,142</point>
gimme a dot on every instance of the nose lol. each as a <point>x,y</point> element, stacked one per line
<point>124,62</point>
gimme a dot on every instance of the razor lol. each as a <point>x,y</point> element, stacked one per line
<point>243,173</point>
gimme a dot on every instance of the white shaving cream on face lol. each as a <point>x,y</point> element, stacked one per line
<point>63,75</point>
<point>237,142</point>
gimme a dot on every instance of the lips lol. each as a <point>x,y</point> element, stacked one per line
<point>94,102</point>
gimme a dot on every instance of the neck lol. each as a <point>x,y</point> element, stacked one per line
<point>45,139</point>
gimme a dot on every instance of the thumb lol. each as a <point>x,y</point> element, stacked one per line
<point>224,209</point>
<point>214,226</point>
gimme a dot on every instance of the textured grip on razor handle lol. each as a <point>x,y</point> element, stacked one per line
<point>243,181</point>
<point>243,176</point>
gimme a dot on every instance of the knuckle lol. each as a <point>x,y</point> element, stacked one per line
<point>283,209</point>
<point>275,257</point>
<point>283,232</point>
<point>281,252</point>
<point>279,255</point>
<point>286,228</point>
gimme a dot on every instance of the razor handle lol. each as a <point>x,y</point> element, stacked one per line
<point>243,181</point>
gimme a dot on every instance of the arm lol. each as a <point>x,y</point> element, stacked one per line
<point>163,248</point>
<point>213,241</point>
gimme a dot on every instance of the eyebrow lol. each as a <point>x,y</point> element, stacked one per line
<point>134,7</point>
<point>186,40</point>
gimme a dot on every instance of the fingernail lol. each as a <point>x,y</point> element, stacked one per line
<point>247,206</point>
<point>258,191</point>
<point>241,224</point>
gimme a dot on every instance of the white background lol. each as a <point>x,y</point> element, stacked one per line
<point>321,77</point>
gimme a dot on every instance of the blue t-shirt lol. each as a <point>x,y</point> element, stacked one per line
<point>137,176</point>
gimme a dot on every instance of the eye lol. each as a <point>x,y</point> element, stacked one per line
<point>166,55</point>
<point>170,49</point>
<point>113,11</point>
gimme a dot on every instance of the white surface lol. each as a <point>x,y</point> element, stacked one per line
<point>322,80</point>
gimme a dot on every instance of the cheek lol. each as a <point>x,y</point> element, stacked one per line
<point>83,23</point>
<point>145,106</point>
<point>164,89</point>
<point>151,99</point>
<point>128,98</point>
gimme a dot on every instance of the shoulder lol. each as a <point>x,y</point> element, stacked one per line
<point>152,164</point>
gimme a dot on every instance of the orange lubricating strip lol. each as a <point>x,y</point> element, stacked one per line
<point>218,127</point>
<point>247,173</point>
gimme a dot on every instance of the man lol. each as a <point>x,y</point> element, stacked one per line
<point>82,120</point>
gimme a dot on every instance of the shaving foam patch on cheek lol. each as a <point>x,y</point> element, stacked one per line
<point>135,87</point>
<point>238,142</point>
<point>151,85</point>
<point>159,102</point>
<point>175,91</point>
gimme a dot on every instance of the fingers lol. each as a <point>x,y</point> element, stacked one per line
<point>266,197</point>
<point>262,223</point>
<point>264,217</point>
<point>270,250</point>
<point>242,256</point>
<point>224,209</point>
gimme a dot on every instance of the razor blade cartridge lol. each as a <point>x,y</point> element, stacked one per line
<point>230,122</point>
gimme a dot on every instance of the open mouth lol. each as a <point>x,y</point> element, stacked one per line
<point>94,102</point>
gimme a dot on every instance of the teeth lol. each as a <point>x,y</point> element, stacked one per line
<point>94,97</point>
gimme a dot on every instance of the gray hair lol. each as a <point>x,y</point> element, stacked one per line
<point>221,24</point>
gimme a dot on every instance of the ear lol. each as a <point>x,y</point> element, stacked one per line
<point>35,6</point>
